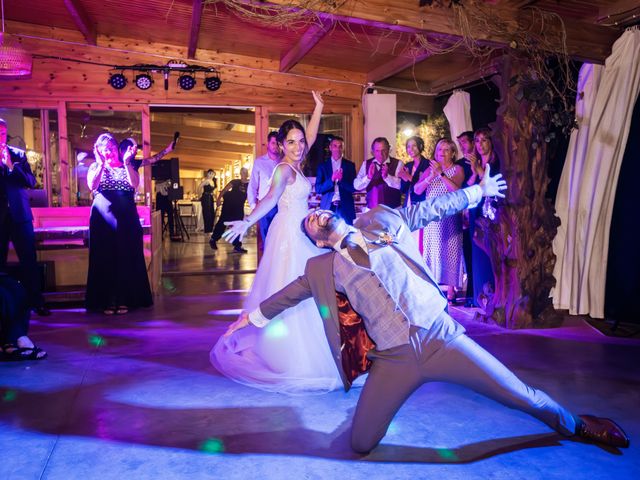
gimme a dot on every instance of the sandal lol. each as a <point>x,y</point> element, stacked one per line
<point>14,353</point>
<point>122,310</point>
<point>109,311</point>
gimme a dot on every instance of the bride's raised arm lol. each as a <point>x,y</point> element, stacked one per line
<point>281,176</point>
<point>314,122</point>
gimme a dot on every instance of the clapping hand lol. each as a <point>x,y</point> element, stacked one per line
<point>372,170</point>
<point>241,322</point>
<point>384,170</point>
<point>492,186</point>
<point>404,174</point>
<point>337,175</point>
<point>236,229</point>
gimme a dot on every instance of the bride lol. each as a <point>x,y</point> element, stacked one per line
<point>290,355</point>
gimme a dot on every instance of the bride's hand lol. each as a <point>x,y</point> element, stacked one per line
<point>317,96</point>
<point>241,322</point>
<point>237,229</point>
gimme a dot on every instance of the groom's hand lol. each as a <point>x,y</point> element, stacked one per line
<point>241,322</point>
<point>492,186</point>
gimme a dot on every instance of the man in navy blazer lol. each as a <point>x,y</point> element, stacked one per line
<point>334,180</point>
<point>16,219</point>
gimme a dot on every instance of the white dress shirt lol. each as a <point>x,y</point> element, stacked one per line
<point>392,180</point>
<point>260,176</point>
<point>335,165</point>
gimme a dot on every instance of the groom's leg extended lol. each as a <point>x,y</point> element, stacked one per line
<point>393,377</point>
<point>466,363</point>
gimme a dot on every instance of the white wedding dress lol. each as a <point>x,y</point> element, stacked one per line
<point>291,354</point>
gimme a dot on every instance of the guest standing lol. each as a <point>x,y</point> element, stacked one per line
<point>207,186</point>
<point>483,278</point>
<point>259,185</point>
<point>117,280</point>
<point>234,195</point>
<point>334,181</point>
<point>379,176</point>
<point>441,244</point>
<point>16,219</point>
<point>410,173</point>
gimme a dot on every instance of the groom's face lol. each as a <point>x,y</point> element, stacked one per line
<point>320,223</point>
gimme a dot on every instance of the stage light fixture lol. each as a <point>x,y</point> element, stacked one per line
<point>118,81</point>
<point>213,83</point>
<point>186,82</point>
<point>144,81</point>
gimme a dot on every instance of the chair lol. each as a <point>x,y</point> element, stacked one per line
<point>188,216</point>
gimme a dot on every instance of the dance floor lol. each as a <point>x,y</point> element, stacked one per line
<point>135,396</point>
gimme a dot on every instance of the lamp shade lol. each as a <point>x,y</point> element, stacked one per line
<point>15,61</point>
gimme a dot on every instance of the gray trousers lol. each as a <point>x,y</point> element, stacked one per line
<point>397,372</point>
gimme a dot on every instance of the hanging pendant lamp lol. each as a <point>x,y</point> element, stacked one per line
<point>15,61</point>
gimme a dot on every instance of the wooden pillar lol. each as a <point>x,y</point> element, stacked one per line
<point>356,134</point>
<point>63,151</point>
<point>519,240</point>
<point>46,151</point>
<point>146,152</point>
<point>262,130</point>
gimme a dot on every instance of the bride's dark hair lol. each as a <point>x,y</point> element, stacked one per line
<point>284,130</point>
<point>286,127</point>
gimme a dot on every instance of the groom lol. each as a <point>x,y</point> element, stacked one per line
<point>380,270</point>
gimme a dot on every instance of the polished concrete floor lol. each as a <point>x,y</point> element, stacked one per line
<point>135,397</point>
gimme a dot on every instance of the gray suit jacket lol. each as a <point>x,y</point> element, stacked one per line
<point>316,282</point>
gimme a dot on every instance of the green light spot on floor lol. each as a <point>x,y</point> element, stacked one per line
<point>9,396</point>
<point>97,341</point>
<point>212,445</point>
<point>447,454</point>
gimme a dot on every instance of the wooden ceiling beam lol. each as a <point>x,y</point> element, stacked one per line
<point>81,19</point>
<point>309,39</point>
<point>204,134</point>
<point>196,20</point>
<point>396,65</point>
<point>584,40</point>
<point>159,140</point>
<point>618,11</point>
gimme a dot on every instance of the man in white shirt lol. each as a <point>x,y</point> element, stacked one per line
<point>379,176</point>
<point>259,184</point>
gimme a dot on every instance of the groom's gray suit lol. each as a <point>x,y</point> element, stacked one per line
<point>405,314</point>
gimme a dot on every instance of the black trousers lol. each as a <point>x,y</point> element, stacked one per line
<point>23,238</point>
<point>14,310</point>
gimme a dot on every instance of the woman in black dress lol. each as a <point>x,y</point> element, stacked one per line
<point>117,280</point>
<point>208,185</point>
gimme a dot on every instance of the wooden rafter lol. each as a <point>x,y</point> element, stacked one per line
<point>81,19</point>
<point>196,19</point>
<point>584,40</point>
<point>309,39</point>
<point>396,65</point>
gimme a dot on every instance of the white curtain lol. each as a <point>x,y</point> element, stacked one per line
<point>588,184</point>
<point>458,113</point>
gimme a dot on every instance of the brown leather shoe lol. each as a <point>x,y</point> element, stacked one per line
<point>602,430</point>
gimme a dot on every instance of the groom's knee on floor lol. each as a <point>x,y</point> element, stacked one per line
<point>363,443</point>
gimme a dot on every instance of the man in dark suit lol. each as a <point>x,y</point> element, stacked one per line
<point>334,181</point>
<point>16,219</point>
